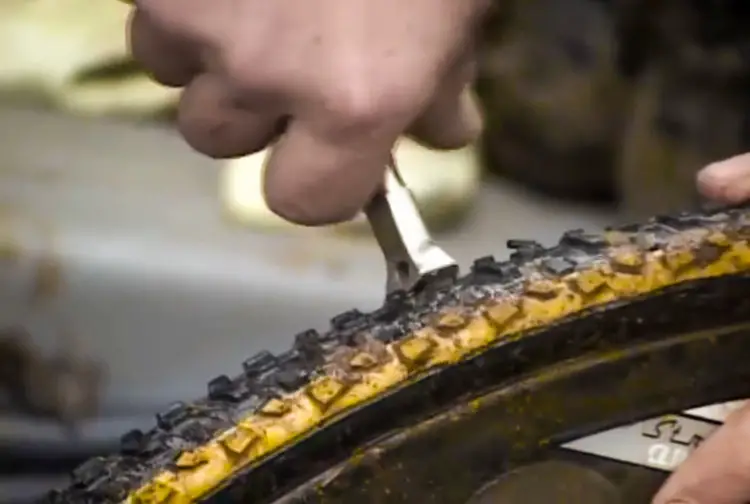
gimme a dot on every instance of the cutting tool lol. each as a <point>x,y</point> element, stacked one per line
<point>410,252</point>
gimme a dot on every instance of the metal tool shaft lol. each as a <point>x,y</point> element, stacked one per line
<point>409,250</point>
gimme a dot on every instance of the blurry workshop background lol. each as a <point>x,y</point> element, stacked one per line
<point>134,270</point>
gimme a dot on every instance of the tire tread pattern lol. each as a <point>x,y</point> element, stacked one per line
<point>198,447</point>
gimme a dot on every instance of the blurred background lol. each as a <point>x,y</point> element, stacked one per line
<point>132,270</point>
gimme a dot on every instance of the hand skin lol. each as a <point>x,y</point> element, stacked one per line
<point>727,181</point>
<point>330,85</point>
<point>718,472</point>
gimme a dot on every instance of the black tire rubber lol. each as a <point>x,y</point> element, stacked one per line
<point>440,390</point>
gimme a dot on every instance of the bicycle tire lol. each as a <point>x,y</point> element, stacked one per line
<point>484,371</point>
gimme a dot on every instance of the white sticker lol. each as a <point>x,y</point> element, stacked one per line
<point>660,443</point>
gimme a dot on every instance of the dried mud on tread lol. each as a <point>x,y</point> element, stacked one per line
<point>197,448</point>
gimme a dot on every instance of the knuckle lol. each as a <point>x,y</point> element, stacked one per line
<point>244,64</point>
<point>161,13</point>
<point>166,55</point>
<point>242,69</point>
<point>233,63</point>
<point>368,105</point>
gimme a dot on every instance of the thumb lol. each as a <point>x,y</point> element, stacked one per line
<point>452,119</point>
<point>726,181</point>
<point>718,472</point>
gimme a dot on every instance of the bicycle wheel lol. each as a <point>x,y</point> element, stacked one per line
<point>468,379</point>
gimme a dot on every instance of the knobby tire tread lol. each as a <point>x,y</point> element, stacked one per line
<point>246,421</point>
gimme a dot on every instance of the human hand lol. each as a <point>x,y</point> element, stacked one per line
<point>718,472</point>
<point>330,84</point>
<point>726,181</point>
